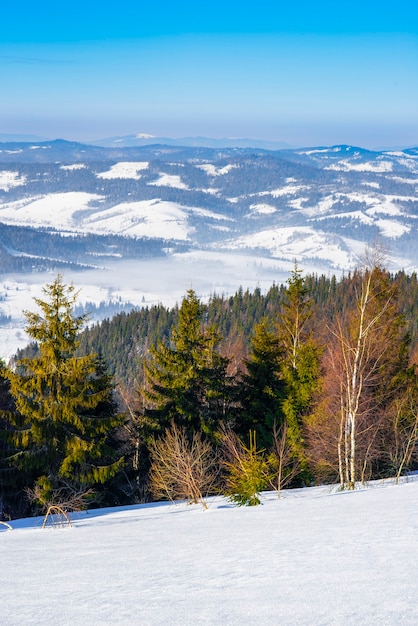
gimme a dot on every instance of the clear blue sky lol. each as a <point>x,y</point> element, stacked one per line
<point>303,72</point>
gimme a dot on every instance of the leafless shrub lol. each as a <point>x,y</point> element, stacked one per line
<point>282,459</point>
<point>183,468</point>
<point>60,502</point>
<point>404,435</point>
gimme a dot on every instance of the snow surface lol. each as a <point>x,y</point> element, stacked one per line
<point>12,151</point>
<point>391,228</point>
<point>288,243</point>
<point>9,179</point>
<point>169,180</point>
<point>125,169</point>
<point>349,166</point>
<point>410,163</point>
<point>73,167</point>
<point>81,212</point>
<point>321,150</point>
<point>407,160</point>
<point>144,136</point>
<point>314,557</point>
<point>377,204</point>
<point>263,208</point>
<point>212,170</point>
<point>145,218</point>
<point>410,181</point>
<point>49,210</point>
<point>288,190</point>
<point>368,183</point>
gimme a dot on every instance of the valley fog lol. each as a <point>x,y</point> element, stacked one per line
<point>139,283</point>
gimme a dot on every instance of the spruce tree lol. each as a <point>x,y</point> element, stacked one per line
<point>186,381</point>
<point>261,392</point>
<point>300,368</point>
<point>64,410</point>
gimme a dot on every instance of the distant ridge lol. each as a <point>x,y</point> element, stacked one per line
<point>144,139</point>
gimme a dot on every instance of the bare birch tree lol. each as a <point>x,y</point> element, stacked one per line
<point>282,460</point>
<point>367,342</point>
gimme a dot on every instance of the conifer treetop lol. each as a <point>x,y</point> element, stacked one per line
<point>57,329</point>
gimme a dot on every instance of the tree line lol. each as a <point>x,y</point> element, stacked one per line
<point>314,382</point>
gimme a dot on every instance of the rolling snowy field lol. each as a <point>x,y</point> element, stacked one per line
<point>314,557</point>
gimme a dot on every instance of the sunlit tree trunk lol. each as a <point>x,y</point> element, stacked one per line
<point>363,340</point>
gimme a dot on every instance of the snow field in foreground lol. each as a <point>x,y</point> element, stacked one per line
<point>312,557</point>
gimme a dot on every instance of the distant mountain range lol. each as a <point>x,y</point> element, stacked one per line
<point>321,203</point>
<point>144,139</point>
<point>70,205</point>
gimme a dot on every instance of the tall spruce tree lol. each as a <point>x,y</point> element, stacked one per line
<point>64,410</point>
<point>261,392</point>
<point>300,368</point>
<point>186,381</point>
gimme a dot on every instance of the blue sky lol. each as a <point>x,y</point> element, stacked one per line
<point>306,73</point>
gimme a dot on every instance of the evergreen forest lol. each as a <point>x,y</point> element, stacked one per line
<point>314,381</point>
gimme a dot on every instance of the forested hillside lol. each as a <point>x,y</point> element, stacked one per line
<point>315,380</point>
<point>125,339</point>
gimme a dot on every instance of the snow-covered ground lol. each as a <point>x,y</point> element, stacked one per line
<point>288,243</point>
<point>347,166</point>
<point>125,169</point>
<point>314,557</point>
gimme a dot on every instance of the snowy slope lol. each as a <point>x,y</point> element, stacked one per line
<point>343,191</point>
<point>125,170</point>
<point>52,210</point>
<point>314,557</point>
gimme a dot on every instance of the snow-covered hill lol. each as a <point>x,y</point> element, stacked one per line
<point>230,198</point>
<point>155,220</point>
<point>313,557</point>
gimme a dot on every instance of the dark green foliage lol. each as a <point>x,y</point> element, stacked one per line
<point>10,481</point>
<point>125,340</point>
<point>300,368</point>
<point>186,381</point>
<point>252,360</point>
<point>262,388</point>
<point>64,408</point>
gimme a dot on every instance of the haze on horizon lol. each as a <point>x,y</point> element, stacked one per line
<point>306,74</point>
